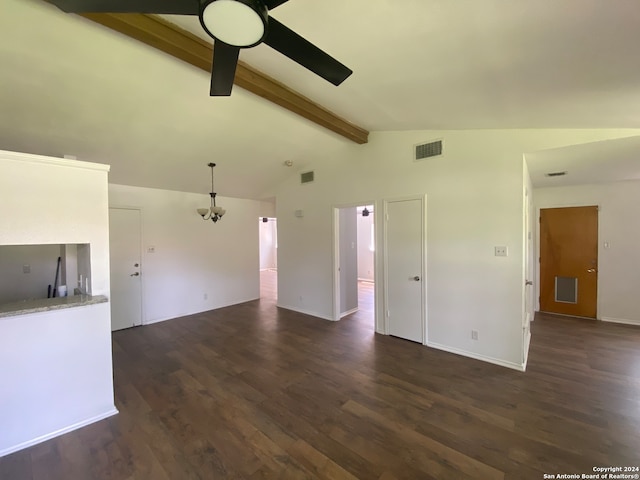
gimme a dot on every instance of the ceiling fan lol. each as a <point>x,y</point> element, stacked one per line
<point>233,24</point>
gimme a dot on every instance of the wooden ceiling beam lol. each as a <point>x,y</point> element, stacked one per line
<point>183,45</point>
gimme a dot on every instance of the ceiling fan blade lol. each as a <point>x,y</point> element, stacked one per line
<point>225,61</point>
<point>289,43</point>
<point>271,4</point>
<point>178,7</point>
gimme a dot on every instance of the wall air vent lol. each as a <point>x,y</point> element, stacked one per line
<point>555,174</point>
<point>306,177</point>
<point>427,150</point>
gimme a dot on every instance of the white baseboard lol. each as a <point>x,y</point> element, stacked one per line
<point>624,321</point>
<point>527,344</point>
<point>477,356</point>
<point>57,433</point>
<point>349,312</point>
<point>158,320</point>
<point>305,312</point>
<point>196,312</point>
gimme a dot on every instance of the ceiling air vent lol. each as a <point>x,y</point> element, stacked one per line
<point>306,177</point>
<point>428,150</point>
<point>555,174</point>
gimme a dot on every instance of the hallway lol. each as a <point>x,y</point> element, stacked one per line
<point>364,317</point>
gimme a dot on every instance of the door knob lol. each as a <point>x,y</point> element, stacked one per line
<point>135,274</point>
<point>591,270</point>
<point>416,278</point>
<point>528,282</point>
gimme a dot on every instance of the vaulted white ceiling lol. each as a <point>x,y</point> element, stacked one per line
<point>68,86</point>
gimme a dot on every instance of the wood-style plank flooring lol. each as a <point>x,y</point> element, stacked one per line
<point>255,392</point>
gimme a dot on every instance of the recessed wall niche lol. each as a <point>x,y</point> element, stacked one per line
<point>28,272</point>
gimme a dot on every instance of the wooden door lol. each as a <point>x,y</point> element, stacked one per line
<point>404,260</point>
<point>124,250</point>
<point>569,261</point>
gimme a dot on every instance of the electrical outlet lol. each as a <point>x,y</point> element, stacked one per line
<point>501,251</point>
<point>205,296</point>
<point>26,269</point>
<point>474,335</point>
<point>151,249</point>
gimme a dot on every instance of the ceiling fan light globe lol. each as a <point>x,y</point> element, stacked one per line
<point>240,23</point>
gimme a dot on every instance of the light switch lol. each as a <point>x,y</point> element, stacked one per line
<point>26,269</point>
<point>501,251</point>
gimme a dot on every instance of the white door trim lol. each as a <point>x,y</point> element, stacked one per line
<point>143,313</point>
<point>336,259</point>
<point>423,264</point>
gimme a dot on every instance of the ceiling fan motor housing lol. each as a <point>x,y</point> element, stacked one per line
<point>239,23</point>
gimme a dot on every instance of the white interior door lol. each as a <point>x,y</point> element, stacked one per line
<point>404,269</point>
<point>126,285</point>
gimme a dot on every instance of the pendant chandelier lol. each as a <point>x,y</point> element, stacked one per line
<point>213,213</point>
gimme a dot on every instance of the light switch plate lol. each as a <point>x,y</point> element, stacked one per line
<point>501,251</point>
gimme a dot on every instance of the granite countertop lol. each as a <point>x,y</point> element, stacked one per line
<point>47,304</point>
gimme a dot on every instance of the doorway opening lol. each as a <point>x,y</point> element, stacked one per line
<point>355,234</point>
<point>268,241</point>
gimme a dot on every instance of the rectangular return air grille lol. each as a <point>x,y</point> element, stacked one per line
<point>306,177</point>
<point>428,150</point>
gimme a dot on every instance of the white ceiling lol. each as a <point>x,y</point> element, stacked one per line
<point>68,86</point>
<point>597,162</point>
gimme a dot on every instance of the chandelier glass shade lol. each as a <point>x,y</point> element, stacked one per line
<point>213,212</point>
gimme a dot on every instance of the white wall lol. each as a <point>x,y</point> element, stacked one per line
<point>268,209</point>
<point>365,254</point>
<point>475,202</point>
<point>69,267</point>
<point>193,258</point>
<point>15,285</point>
<point>56,370</point>
<point>619,227</point>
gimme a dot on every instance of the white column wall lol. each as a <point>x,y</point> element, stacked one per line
<point>57,367</point>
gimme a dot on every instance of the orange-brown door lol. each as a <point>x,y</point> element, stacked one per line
<point>569,261</point>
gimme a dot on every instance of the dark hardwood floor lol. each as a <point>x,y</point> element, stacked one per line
<point>256,392</point>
